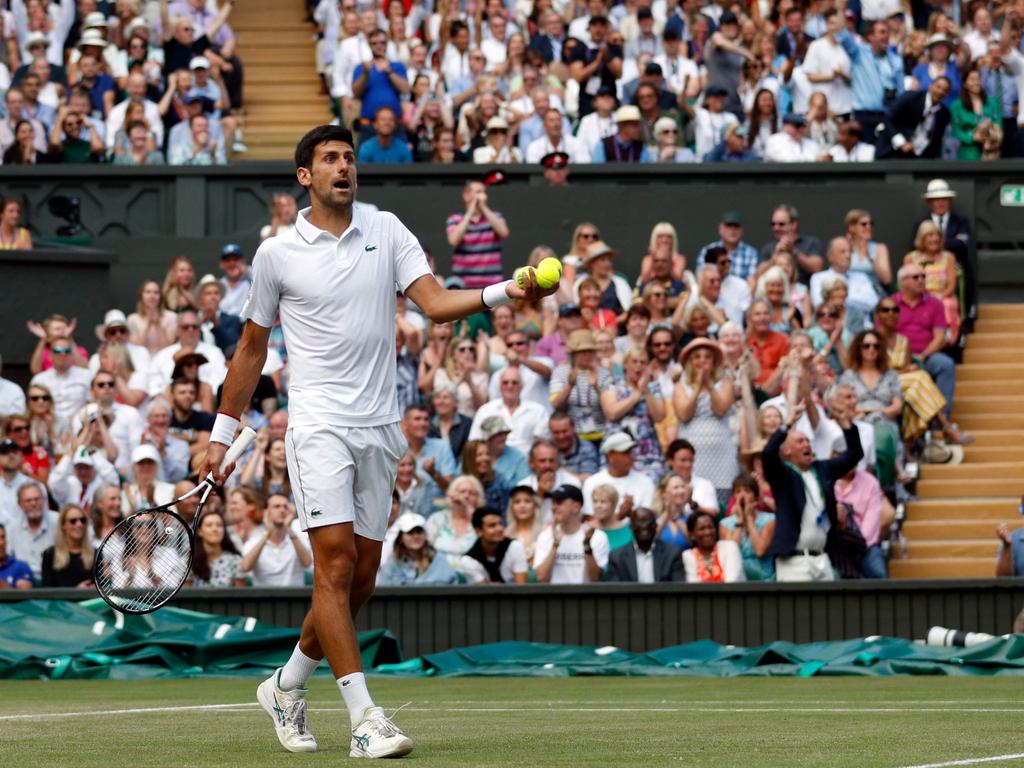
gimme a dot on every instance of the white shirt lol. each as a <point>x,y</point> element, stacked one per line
<point>115,121</point>
<point>734,298</point>
<point>812,534</point>
<point>799,88</point>
<point>709,130</point>
<point>644,565</point>
<point>25,545</point>
<point>125,432</point>
<point>783,148</point>
<point>512,563</point>
<point>278,564</point>
<point>70,391</point>
<point>495,51</point>
<point>528,422</point>
<point>572,146</point>
<point>978,43</point>
<point>703,495</point>
<point>535,387</point>
<point>831,431</point>
<point>454,64</point>
<point>10,512</point>
<point>821,438</point>
<point>729,557</point>
<point>336,298</point>
<point>636,484</point>
<point>593,129</point>
<point>570,560</point>
<point>860,292</point>
<point>235,296</point>
<point>12,399</point>
<point>862,153</point>
<point>211,372</point>
<point>677,71</point>
<point>132,500</point>
<point>67,488</point>
<point>824,57</point>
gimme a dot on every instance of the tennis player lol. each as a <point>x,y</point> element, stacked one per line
<point>333,280</point>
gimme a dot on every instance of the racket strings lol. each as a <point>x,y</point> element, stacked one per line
<point>144,562</point>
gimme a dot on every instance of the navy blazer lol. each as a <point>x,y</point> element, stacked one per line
<point>543,45</point>
<point>668,563</point>
<point>903,117</point>
<point>788,489</point>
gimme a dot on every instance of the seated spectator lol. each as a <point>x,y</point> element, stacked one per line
<point>732,148</point>
<point>830,337</point>
<point>478,462</point>
<point>605,502</point>
<point>570,552</point>
<point>435,462</point>
<point>211,371</point>
<point>527,420</point>
<point>67,143</point>
<point>773,286</point>
<point>627,145</point>
<point>450,529</point>
<point>32,528</point>
<point>216,562</point>
<point>277,557</point>
<point>68,563</point>
<point>940,272</point>
<point>495,558</point>
<point>173,454</point>
<point>868,256</point>
<point>200,148</point>
<point>379,82</point>
<point>710,559</point>
<point>13,236</point>
<point>14,573</point>
<point>223,328</point>
<point>649,559</point>
<point>697,492</point>
<point>385,146</point>
<point>553,345</point>
<point>821,127</point>
<point>139,151</point>
<point>862,494</point>
<point>509,462</point>
<point>614,291</point>
<point>447,423</point>
<point>576,457</point>
<point>750,528</point>
<point>1010,561</point>
<point>413,494</point>
<point>244,511</point>
<point>848,147</point>
<point>861,291</point>
<point>577,386</point>
<point>635,488</point>
<point>179,288</point>
<point>67,382</point>
<point>80,473</point>
<point>526,519</point>
<point>743,256</point>
<point>498,147</point>
<point>267,468</point>
<point>636,403</point>
<point>189,424</point>
<point>23,151</point>
<point>414,561</point>
<point>151,325</point>
<point>556,139</point>
<point>712,123</point>
<point>791,145</point>
<point>48,430</point>
<point>977,120</point>
<point>787,238</point>
<point>14,103</point>
<point>104,513</point>
<point>135,95</point>
<point>147,490</point>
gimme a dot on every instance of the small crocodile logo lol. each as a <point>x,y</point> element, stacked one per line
<point>371,248</point>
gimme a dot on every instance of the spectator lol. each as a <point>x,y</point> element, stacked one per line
<point>603,517</point>
<point>23,150</point>
<point>636,404</point>
<point>556,139</point>
<point>712,122</point>
<point>915,124</point>
<point>787,238</point>
<point>14,103</point>
<point>136,94</point>
<point>148,490</point>
<point>867,256</point>
<point>415,562</point>
<point>627,145</point>
<point>577,386</point>
<point>14,573</point>
<point>877,76</point>
<point>792,41</point>
<point>278,556</point>
<point>68,383</point>
<point>576,457</point>
<point>956,231</point>
<point>791,145</point>
<point>498,148</point>
<point>635,488</point>
<point>862,495</point>
<point>201,148</point>
<point>447,423</point>
<point>194,33</point>
<point>649,560</point>
<point>379,82</point>
<point>173,454</point>
<point>940,61</point>
<point>848,147</point>
<point>861,292</point>
<point>413,495</point>
<point>977,120</point>
<point>599,124</point>
<point>33,529</point>
<point>750,528</point>
<point>13,236</point>
<point>769,346</point>
<point>1010,561</point>
<point>49,431</point>
<point>476,238</point>
<point>724,59</point>
<point>806,524</point>
<point>216,561</point>
<point>828,65</point>
<point>998,78</point>
<point>509,462</point>
<point>211,370</point>
<point>940,271</point>
<point>35,461</point>
<point>556,169</point>
<point>151,325</point>
<point>139,151</point>
<point>569,552</point>
<point>244,515</point>
<point>13,478</point>
<point>52,328</point>
<point>224,328</point>
<point>614,291</point>
<point>450,529</point>
<point>597,61</point>
<point>105,513</point>
<point>479,462</point>
<point>67,143</point>
<point>711,559</point>
<point>733,147</point>
<point>526,519</point>
<point>743,257</point>
<point>435,463</point>
<point>528,420</point>
<point>699,492</point>
<point>122,422</point>
<point>982,34</point>
<point>68,563</point>
<point>495,557</point>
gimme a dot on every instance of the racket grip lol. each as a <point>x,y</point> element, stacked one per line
<point>237,448</point>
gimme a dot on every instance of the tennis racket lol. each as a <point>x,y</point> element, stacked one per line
<point>147,558</point>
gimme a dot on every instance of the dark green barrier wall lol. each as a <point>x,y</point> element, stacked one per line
<point>638,618</point>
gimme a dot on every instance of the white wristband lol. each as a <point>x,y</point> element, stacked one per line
<point>224,429</point>
<point>496,295</point>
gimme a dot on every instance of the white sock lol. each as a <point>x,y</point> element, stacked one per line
<point>297,670</point>
<point>357,698</point>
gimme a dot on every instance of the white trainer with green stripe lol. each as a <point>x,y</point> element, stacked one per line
<point>377,736</point>
<point>288,711</point>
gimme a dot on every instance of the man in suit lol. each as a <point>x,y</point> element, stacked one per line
<point>647,560</point>
<point>915,124</point>
<point>806,537</point>
<point>549,42</point>
<point>956,232</point>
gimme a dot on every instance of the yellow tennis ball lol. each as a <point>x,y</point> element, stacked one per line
<point>519,275</point>
<point>549,271</point>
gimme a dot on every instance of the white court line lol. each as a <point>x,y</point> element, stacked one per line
<point>972,761</point>
<point>135,711</point>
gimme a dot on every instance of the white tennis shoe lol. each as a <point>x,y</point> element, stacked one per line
<point>377,736</point>
<point>288,711</point>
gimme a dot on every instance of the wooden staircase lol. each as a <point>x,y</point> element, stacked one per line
<point>282,90</point>
<point>951,528</point>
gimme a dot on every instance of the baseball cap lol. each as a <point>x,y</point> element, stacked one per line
<point>7,445</point>
<point>792,118</point>
<point>598,19</point>
<point>569,310</point>
<point>618,442</point>
<point>494,425</point>
<point>605,90</point>
<point>644,13</point>
<point>566,491</point>
<point>199,62</point>
<point>231,251</point>
<point>145,452</point>
<point>728,17</point>
<point>82,458</point>
<point>410,521</point>
<point>715,90</point>
<point>652,68</point>
<point>731,217</point>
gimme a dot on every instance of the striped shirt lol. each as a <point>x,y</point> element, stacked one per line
<point>477,259</point>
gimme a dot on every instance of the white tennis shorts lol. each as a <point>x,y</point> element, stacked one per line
<point>344,475</point>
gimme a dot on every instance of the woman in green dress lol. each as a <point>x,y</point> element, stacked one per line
<point>977,120</point>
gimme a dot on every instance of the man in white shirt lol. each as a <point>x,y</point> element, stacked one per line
<point>12,399</point>
<point>681,74</point>
<point>528,420</point>
<point>734,296</point>
<point>849,148</point>
<point>712,121</point>
<point>981,33</point>
<point>114,330</point>
<point>599,124</point>
<point>570,552</point>
<point>494,558</point>
<point>211,372</point>
<point>278,556</point>
<point>555,140</point>
<point>79,474</point>
<point>351,53</point>
<point>136,88</point>
<point>635,488</point>
<point>791,145</point>
<point>125,421</point>
<point>534,371</point>
<point>455,60</point>
<point>828,66</point>
<point>34,529</point>
<point>860,292</point>
<point>68,384</point>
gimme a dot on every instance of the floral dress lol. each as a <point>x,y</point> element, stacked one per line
<point>647,455</point>
<point>223,572</point>
<point>712,440</point>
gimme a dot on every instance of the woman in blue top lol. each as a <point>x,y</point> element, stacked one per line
<point>941,63</point>
<point>750,529</point>
<point>672,502</point>
<point>867,256</point>
<point>415,562</point>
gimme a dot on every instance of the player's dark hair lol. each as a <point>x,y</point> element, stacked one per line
<point>317,136</point>
<point>480,513</point>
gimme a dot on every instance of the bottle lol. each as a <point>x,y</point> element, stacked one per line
<point>904,545</point>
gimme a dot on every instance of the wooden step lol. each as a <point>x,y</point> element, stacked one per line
<point>973,422</point>
<point>1007,340</point>
<point>955,529</point>
<point>278,38</point>
<point>997,325</point>
<point>997,371</point>
<point>1001,312</point>
<point>300,55</point>
<point>994,438</point>
<point>992,508</point>
<point>955,489</point>
<point>975,454</point>
<point>993,470</point>
<point>987,388</point>
<point>943,568</point>
<point>956,548</point>
<point>982,405</point>
<point>988,355</point>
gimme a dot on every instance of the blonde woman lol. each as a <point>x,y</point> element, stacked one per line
<point>773,286</point>
<point>460,371</point>
<point>68,563</point>
<point>179,283</point>
<point>525,519</point>
<point>450,530</point>
<point>151,325</point>
<point>866,255</point>
<point>665,240</point>
<point>939,265</point>
<point>671,504</point>
<point>798,295</point>
<point>605,499</point>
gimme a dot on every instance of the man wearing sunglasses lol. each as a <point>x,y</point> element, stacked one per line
<point>787,238</point>
<point>212,371</point>
<point>126,426</point>
<point>11,481</point>
<point>12,399</point>
<point>114,330</point>
<point>69,384</point>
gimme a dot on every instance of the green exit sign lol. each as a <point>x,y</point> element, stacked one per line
<point>1012,195</point>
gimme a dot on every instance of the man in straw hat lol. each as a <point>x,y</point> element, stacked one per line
<point>627,145</point>
<point>956,235</point>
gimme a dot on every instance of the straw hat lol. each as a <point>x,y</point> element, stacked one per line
<point>696,344</point>
<point>596,250</point>
<point>581,341</point>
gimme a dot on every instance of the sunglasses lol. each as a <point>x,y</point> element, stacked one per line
<point>867,223</point>
<point>869,345</point>
<point>833,315</point>
<point>189,327</point>
<point>916,277</point>
<point>511,383</point>
<point>661,344</point>
<point>13,430</point>
<point>105,384</point>
<point>465,349</point>
<point>518,343</point>
<point>589,235</point>
<point>118,330</point>
<point>75,520</point>
<point>38,398</point>
<point>61,350</point>
<point>779,224</point>
<point>657,294</point>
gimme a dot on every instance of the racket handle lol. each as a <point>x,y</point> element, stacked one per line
<point>237,448</point>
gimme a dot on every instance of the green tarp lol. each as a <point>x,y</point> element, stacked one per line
<point>54,639</point>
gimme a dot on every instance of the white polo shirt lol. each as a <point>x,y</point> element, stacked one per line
<point>70,391</point>
<point>528,423</point>
<point>278,564</point>
<point>336,298</point>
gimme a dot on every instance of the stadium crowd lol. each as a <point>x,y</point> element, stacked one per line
<point>136,82</point>
<point>747,413</point>
<point>674,81</point>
